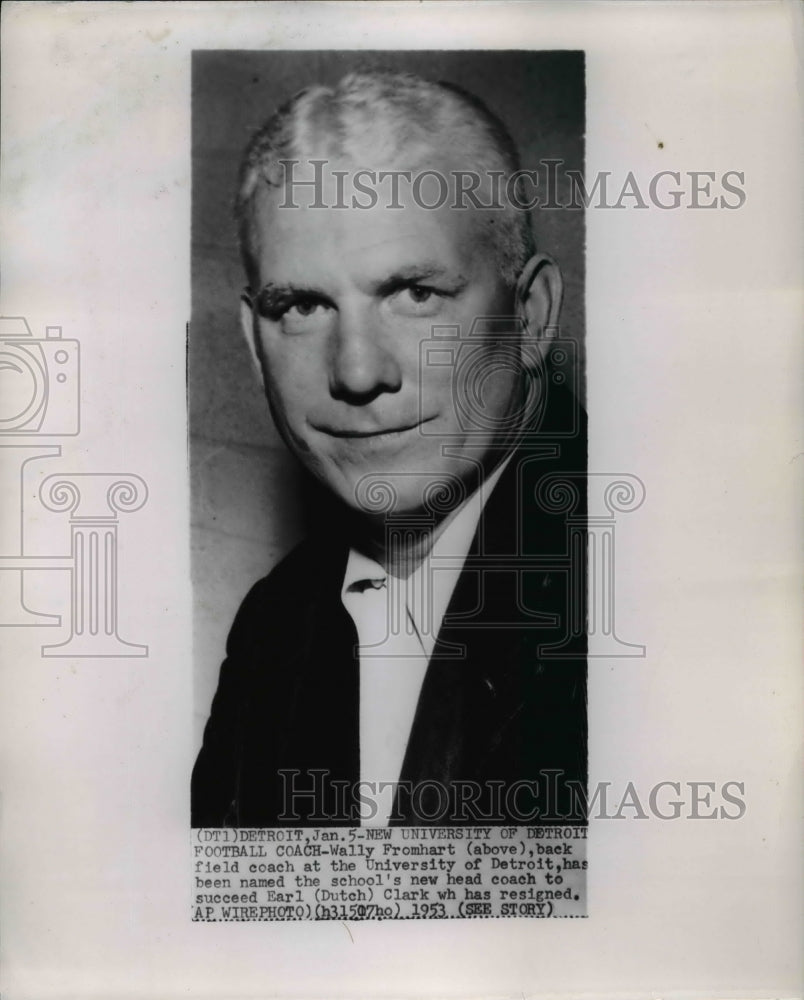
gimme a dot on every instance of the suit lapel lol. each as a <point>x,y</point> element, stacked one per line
<point>475,712</point>
<point>314,724</point>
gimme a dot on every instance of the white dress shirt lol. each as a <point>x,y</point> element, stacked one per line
<point>397,622</point>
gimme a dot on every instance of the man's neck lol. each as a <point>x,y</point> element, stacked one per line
<point>401,553</point>
<point>400,556</point>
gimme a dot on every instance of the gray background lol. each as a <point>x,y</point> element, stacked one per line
<point>246,512</point>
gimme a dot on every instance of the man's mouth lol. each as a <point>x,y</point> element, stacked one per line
<point>379,433</point>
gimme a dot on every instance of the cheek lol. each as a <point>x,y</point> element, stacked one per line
<point>485,387</point>
<point>497,395</point>
<point>288,381</point>
<point>496,375</point>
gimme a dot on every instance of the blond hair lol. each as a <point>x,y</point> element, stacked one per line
<point>392,114</point>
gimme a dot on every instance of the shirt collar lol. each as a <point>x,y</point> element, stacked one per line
<point>362,572</point>
<point>427,592</point>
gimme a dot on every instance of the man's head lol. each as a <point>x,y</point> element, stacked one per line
<point>355,278</point>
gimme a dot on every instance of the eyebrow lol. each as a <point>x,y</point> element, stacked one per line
<point>273,297</point>
<point>420,273</point>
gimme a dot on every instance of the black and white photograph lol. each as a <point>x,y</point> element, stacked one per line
<point>420,657</point>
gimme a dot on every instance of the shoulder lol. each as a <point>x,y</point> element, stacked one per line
<point>290,571</point>
<point>294,582</point>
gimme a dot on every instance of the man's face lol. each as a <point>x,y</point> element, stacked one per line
<point>345,301</point>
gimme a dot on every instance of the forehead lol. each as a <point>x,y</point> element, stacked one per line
<point>292,235</point>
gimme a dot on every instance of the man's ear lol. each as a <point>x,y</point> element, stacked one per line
<point>538,297</point>
<point>248,327</point>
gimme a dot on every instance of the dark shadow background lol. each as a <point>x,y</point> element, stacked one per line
<point>246,510</point>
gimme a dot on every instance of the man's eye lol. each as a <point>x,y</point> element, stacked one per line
<point>416,301</point>
<point>419,293</point>
<point>303,307</point>
<point>305,316</point>
<point>292,308</point>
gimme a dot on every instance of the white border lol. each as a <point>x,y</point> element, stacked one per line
<point>693,322</point>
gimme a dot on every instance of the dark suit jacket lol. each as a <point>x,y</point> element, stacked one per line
<point>508,709</point>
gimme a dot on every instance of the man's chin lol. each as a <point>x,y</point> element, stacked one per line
<point>427,496</point>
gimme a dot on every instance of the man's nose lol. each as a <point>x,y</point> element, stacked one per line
<point>363,365</point>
